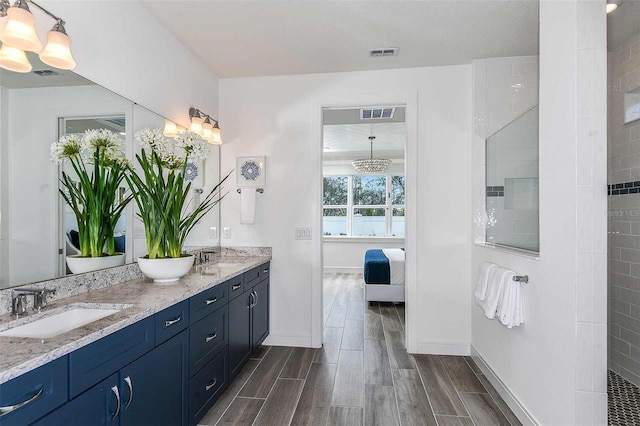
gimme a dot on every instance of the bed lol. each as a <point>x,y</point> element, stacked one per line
<point>384,275</point>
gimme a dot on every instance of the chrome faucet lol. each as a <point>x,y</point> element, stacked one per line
<point>19,299</point>
<point>205,255</point>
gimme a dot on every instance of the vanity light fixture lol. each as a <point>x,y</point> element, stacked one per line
<point>205,126</point>
<point>170,129</point>
<point>14,59</point>
<point>17,31</point>
<point>613,5</point>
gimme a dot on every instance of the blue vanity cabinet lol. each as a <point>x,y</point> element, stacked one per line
<point>98,407</point>
<point>260,314</point>
<point>34,394</point>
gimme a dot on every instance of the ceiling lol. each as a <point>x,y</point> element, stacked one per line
<point>351,141</point>
<point>623,23</point>
<point>260,38</point>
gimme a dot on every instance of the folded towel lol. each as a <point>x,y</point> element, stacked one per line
<point>510,311</point>
<point>247,206</point>
<point>485,274</point>
<point>495,289</point>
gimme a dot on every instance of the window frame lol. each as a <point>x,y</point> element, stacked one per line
<point>351,206</point>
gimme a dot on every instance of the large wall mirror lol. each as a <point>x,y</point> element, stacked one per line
<point>36,227</point>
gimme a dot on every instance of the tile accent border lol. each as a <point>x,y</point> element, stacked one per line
<point>495,191</point>
<point>624,188</point>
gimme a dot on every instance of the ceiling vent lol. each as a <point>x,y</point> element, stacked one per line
<point>377,113</point>
<point>387,51</point>
<point>45,73</point>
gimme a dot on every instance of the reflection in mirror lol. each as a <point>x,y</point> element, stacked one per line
<point>512,184</point>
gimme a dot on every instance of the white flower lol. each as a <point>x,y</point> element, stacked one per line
<point>110,144</point>
<point>190,145</point>
<point>66,147</point>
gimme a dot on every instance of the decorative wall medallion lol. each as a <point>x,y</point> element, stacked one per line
<point>191,172</point>
<point>250,171</point>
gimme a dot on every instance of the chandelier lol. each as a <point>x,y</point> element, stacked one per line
<point>371,165</point>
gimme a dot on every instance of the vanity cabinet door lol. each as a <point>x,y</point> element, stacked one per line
<point>260,314</point>
<point>239,332</point>
<point>98,406</point>
<point>153,388</point>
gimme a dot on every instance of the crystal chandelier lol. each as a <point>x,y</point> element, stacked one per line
<point>371,165</point>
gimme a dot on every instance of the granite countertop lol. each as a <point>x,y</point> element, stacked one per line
<point>137,299</point>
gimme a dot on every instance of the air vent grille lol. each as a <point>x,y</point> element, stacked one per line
<point>45,73</point>
<point>377,113</point>
<point>387,51</point>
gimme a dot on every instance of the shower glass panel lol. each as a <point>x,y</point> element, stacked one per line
<point>512,184</point>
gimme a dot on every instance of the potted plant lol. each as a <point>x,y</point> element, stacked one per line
<point>93,194</point>
<point>161,193</point>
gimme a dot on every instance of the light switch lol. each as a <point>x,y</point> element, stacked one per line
<point>226,232</point>
<point>303,233</point>
<point>213,232</point>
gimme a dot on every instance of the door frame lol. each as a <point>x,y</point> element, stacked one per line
<point>410,100</point>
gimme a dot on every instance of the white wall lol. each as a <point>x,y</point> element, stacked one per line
<point>121,46</point>
<point>554,365</point>
<point>280,117</point>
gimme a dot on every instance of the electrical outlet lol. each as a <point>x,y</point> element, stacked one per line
<point>226,232</point>
<point>138,232</point>
<point>303,233</point>
<point>213,233</point>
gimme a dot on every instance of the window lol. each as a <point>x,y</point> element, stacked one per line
<point>364,205</point>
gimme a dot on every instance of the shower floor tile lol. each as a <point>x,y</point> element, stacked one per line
<point>624,401</point>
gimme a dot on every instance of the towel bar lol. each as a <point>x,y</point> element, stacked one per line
<point>260,190</point>
<point>521,278</point>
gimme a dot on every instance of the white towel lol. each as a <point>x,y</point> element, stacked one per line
<point>495,290</point>
<point>247,206</point>
<point>396,265</point>
<point>485,274</point>
<point>510,311</point>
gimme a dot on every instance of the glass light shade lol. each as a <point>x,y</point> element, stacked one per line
<point>207,126</point>
<point>57,52</point>
<point>206,134</point>
<point>14,59</point>
<point>215,131</point>
<point>195,127</point>
<point>170,129</point>
<point>19,30</point>
<point>611,7</point>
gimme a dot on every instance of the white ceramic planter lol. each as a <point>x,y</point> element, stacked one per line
<point>79,265</point>
<point>166,270</point>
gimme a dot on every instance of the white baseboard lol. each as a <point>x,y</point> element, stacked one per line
<point>509,398</point>
<point>442,349</point>
<point>283,340</point>
<point>343,269</point>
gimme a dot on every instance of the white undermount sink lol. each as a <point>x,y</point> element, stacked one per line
<point>53,324</point>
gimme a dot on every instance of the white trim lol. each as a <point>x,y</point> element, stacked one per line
<point>285,340</point>
<point>509,398</point>
<point>342,269</point>
<point>442,349</point>
<point>336,239</point>
<point>410,100</point>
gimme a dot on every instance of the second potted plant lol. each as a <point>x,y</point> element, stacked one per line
<point>161,194</point>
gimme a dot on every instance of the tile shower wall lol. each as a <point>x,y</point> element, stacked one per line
<point>624,215</point>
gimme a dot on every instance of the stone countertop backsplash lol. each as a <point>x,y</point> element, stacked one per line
<point>114,287</point>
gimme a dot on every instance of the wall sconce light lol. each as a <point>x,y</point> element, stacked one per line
<point>170,129</point>
<point>201,123</point>
<point>17,31</point>
<point>613,5</point>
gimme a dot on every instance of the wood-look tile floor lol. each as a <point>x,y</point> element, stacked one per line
<point>361,376</point>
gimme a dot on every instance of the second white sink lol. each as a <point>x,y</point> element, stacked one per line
<point>53,325</point>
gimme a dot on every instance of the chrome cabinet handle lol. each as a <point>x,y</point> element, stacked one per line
<point>251,305</point>
<point>128,382</point>
<point>235,287</point>
<point>209,386</point>
<point>210,337</point>
<point>117,394</point>
<point>210,301</point>
<point>265,271</point>
<point>169,323</point>
<point>256,293</point>
<point>9,408</point>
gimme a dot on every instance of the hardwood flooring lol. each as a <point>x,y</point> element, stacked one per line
<point>361,376</point>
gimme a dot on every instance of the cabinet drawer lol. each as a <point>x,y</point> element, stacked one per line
<point>235,287</point>
<point>207,337</point>
<point>207,386</point>
<point>208,301</point>
<point>171,321</point>
<point>264,271</point>
<point>91,364</point>
<point>252,276</point>
<point>35,393</point>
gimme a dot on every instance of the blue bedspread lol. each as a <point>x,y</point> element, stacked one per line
<point>376,267</point>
